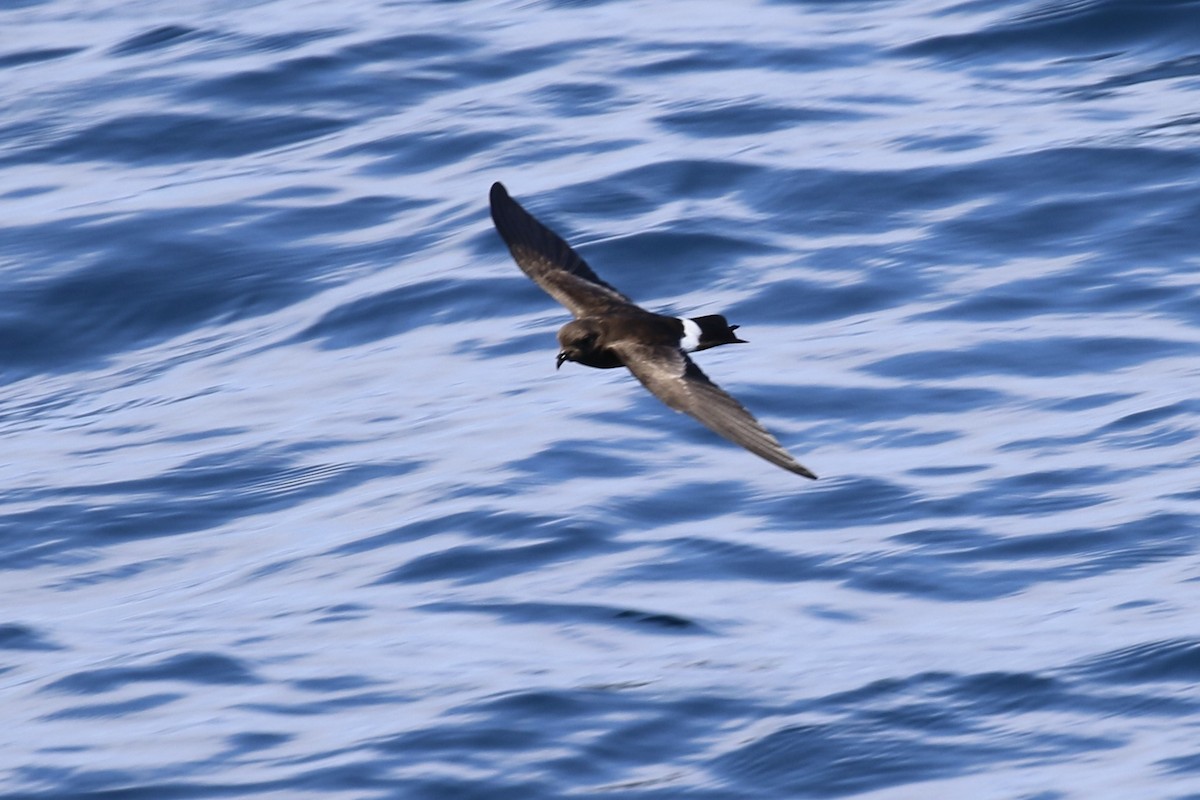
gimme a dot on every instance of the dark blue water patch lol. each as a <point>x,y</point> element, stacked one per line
<point>492,555</point>
<point>342,612</point>
<point>420,47</point>
<point>1042,492</point>
<point>908,437</point>
<point>850,757</point>
<point>955,143</point>
<point>478,563</point>
<point>579,458</point>
<point>1156,436</point>
<point>1082,291</point>
<point>109,784</point>
<point>330,80</point>
<point>1149,429</point>
<point>1078,27</point>
<point>1067,181</point>
<point>490,67</point>
<point>1128,545</point>
<point>1182,765</point>
<point>512,342</point>
<point>910,577</point>
<point>643,189</point>
<point>940,472</point>
<point>613,733</point>
<point>1167,661</point>
<point>1048,228</point>
<point>1120,237</point>
<point>96,287</point>
<point>948,703</point>
<point>897,732</point>
<point>16,636</point>
<point>199,494</point>
<point>807,301</point>
<point>23,57</point>
<point>1007,693</point>
<point>843,502</point>
<point>200,436</point>
<point>27,191</point>
<point>660,58</point>
<point>327,703</point>
<point>196,668</point>
<point>547,150</point>
<point>118,710</point>
<point>1185,67</point>
<point>866,405</point>
<point>292,224</point>
<point>411,153</point>
<point>1051,356</point>
<point>697,558</point>
<point>747,119</point>
<point>689,501</point>
<point>951,565</point>
<point>440,301</point>
<point>334,684</point>
<point>1157,239</point>
<point>243,44</point>
<point>332,703</point>
<point>578,99</point>
<point>939,539</point>
<point>663,263</point>
<point>240,744</point>
<point>424,63</point>
<point>158,38</point>
<point>480,522</point>
<point>1082,171</point>
<point>959,564</point>
<point>823,202</point>
<point>573,614</point>
<point>177,137</point>
<point>109,575</point>
<point>1177,126</point>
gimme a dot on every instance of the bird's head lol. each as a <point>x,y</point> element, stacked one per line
<point>577,342</point>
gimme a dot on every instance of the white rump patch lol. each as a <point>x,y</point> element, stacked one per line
<point>691,335</point>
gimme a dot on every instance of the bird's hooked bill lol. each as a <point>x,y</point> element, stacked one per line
<point>558,362</point>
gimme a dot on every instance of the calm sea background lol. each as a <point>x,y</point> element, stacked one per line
<point>294,504</point>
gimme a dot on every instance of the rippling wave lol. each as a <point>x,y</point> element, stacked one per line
<point>295,503</point>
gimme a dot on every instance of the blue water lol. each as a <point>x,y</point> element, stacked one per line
<point>294,504</point>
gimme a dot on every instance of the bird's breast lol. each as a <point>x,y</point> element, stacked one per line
<point>599,358</point>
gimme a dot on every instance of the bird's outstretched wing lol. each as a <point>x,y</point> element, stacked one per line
<point>549,261</point>
<point>676,380</point>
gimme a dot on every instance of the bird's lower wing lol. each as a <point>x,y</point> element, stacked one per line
<point>676,380</point>
<point>545,257</point>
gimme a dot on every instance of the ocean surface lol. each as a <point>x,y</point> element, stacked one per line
<point>293,503</point>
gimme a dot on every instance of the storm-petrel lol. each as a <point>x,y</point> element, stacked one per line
<point>609,330</point>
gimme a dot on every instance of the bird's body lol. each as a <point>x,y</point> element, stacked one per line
<point>610,330</point>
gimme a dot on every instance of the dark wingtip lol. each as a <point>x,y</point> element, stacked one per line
<point>498,191</point>
<point>805,473</point>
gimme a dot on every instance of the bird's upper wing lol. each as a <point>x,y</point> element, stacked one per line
<point>677,381</point>
<point>544,256</point>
